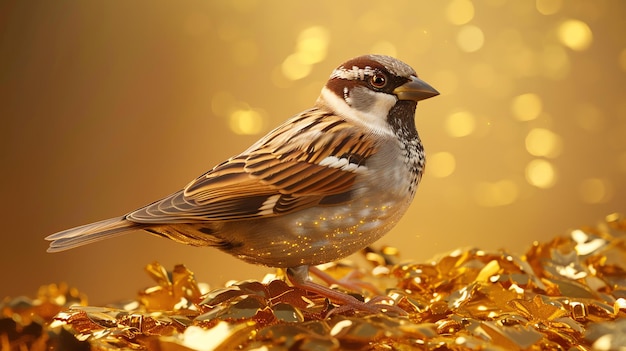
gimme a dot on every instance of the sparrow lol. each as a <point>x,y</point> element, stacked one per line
<point>324,184</point>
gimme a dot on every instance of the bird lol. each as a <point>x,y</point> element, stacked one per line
<point>324,184</point>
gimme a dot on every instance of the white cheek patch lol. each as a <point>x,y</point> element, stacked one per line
<point>374,120</point>
<point>373,103</point>
<point>342,164</point>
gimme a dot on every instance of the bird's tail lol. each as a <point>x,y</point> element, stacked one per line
<point>89,233</point>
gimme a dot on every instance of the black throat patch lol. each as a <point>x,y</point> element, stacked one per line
<point>401,118</point>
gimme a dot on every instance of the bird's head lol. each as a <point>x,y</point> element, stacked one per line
<point>367,88</point>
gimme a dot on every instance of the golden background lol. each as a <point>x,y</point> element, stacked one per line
<point>109,105</point>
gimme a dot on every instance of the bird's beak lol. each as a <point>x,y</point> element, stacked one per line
<point>416,90</point>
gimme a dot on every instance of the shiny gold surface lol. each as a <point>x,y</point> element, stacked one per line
<point>567,293</point>
<point>109,105</point>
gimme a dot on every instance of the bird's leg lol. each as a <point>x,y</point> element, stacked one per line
<point>350,281</point>
<point>299,277</point>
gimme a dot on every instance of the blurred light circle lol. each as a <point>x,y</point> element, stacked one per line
<point>527,107</point>
<point>543,142</point>
<point>470,38</point>
<point>294,68</point>
<point>441,164</point>
<point>246,121</point>
<point>493,194</point>
<point>460,12</point>
<point>460,124</point>
<point>540,173</point>
<point>575,34</point>
<point>312,44</point>
<point>548,7</point>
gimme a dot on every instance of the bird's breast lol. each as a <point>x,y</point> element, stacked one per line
<point>324,233</point>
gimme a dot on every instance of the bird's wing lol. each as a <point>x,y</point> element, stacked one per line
<point>311,159</point>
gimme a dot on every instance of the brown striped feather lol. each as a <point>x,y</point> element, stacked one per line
<point>239,187</point>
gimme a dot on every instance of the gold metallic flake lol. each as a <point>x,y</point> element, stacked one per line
<point>565,294</point>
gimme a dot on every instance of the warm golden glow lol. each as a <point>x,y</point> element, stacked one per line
<point>548,7</point>
<point>460,12</point>
<point>294,68</point>
<point>575,34</point>
<point>197,24</point>
<point>245,52</point>
<point>622,59</point>
<point>246,121</point>
<point>441,164</point>
<point>543,142</point>
<point>621,162</point>
<point>446,81</point>
<point>470,38</point>
<point>526,107</point>
<point>460,124</point>
<point>417,41</point>
<point>222,103</point>
<point>482,75</point>
<point>492,194</point>
<point>313,45</point>
<point>311,48</point>
<point>540,173</point>
<point>113,105</point>
<point>595,190</point>
<point>244,6</point>
<point>555,63</point>
<point>384,48</point>
<point>589,118</point>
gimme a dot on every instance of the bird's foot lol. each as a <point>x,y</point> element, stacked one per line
<point>299,277</point>
<point>350,281</point>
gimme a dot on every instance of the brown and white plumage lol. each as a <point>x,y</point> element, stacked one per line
<point>322,185</point>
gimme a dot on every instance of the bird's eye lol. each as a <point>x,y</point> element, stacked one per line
<point>378,80</point>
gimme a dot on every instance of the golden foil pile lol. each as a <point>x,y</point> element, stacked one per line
<point>566,294</point>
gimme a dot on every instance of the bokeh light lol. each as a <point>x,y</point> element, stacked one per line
<point>493,194</point>
<point>526,138</point>
<point>441,164</point>
<point>575,34</point>
<point>470,38</point>
<point>460,124</point>
<point>246,121</point>
<point>311,48</point>
<point>540,173</point>
<point>543,142</point>
<point>294,68</point>
<point>312,44</point>
<point>548,7</point>
<point>555,63</point>
<point>527,106</point>
<point>460,12</point>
